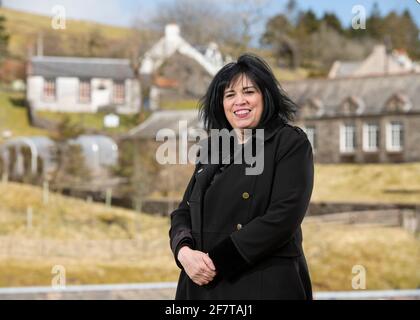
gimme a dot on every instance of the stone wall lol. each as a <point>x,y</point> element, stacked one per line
<point>328,139</point>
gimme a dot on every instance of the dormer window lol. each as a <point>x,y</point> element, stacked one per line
<point>398,103</point>
<point>313,107</point>
<point>352,106</point>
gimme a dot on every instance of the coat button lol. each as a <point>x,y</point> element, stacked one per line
<point>238,226</point>
<point>245,195</point>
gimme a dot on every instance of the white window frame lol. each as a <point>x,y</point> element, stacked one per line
<point>393,135</point>
<point>368,131</point>
<point>344,136</point>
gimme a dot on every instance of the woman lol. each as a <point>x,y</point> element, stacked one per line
<point>238,236</point>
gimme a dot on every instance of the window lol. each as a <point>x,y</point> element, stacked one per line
<point>118,92</point>
<point>311,133</point>
<point>370,137</point>
<point>394,136</point>
<point>84,91</point>
<point>49,89</point>
<point>347,138</point>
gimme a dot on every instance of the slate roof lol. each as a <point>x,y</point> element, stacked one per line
<point>166,119</point>
<point>373,91</point>
<point>346,68</point>
<point>52,67</point>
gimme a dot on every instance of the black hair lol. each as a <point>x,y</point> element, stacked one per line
<point>276,102</point>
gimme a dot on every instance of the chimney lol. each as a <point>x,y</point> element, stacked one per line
<point>172,31</point>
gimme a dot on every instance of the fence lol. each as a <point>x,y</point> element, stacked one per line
<point>406,218</point>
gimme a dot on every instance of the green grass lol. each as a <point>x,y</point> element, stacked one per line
<point>13,116</point>
<point>93,120</point>
<point>97,244</point>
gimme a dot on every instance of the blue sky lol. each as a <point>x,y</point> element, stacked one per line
<point>123,12</point>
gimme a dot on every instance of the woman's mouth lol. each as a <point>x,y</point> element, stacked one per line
<point>242,113</point>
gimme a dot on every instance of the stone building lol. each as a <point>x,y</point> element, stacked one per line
<point>372,119</point>
<point>364,120</point>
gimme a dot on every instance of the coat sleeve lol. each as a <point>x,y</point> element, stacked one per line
<point>291,193</point>
<point>180,231</point>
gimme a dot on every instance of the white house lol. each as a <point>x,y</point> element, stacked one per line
<point>211,60</point>
<point>174,65</point>
<point>72,84</point>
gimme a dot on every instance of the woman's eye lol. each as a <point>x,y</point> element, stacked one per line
<point>249,92</point>
<point>228,95</point>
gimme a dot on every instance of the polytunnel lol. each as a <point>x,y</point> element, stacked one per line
<point>40,148</point>
<point>99,151</point>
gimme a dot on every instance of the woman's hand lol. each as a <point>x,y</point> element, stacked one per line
<point>198,265</point>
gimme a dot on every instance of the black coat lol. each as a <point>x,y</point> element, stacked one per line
<point>250,224</point>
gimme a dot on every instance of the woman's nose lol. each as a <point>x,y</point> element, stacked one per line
<point>239,100</point>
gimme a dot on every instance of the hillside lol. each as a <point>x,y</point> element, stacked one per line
<point>95,243</point>
<point>98,244</point>
<point>24,27</point>
<point>373,183</point>
<point>13,116</point>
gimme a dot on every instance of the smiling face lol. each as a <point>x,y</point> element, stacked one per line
<point>243,103</point>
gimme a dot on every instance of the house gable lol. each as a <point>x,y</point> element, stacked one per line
<point>183,76</point>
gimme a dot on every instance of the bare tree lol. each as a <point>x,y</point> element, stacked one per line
<point>200,21</point>
<point>247,14</point>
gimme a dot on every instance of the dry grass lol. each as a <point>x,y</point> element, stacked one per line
<point>390,256</point>
<point>97,244</point>
<point>68,218</point>
<point>37,272</point>
<point>357,183</point>
<point>367,183</point>
<point>284,74</point>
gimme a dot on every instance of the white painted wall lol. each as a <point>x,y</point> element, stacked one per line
<point>67,97</point>
<point>172,42</point>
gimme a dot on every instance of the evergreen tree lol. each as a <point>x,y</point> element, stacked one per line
<point>374,23</point>
<point>308,22</point>
<point>4,38</point>
<point>331,21</point>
